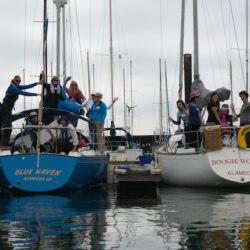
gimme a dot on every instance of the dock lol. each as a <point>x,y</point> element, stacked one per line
<point>130,178</point>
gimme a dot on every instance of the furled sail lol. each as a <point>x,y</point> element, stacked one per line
<point>205,93</point>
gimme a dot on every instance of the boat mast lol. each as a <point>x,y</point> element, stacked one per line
<point>93,76</point>
<point>89,87</point>
<point>111,58</point>
<point>160,107</point>
<point>58,21</point>
<point>124,100</point>
<point>40,113</point>
<point>131,99</point>
<point>181,50</point>
<point>64,39</point>
<point>246,45</point>
<point>231,81</point>
<point>167,100</point>
<point>196,48</point>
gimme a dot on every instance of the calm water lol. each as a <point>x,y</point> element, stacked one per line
<point>181,219</point>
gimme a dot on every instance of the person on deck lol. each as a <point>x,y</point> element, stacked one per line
<point>11,96</point>
<point>245,114</point>
<point>88,103</point>
<point>245,109</point>
<point>32,121</point>
<point>180,115</point>
<point>226,119</point>
<point>53,92</point>
<point>193,136</point>
<point>98,114</point>
<point>67,139</point>
<point>74,93</point>
<point>213,109</point>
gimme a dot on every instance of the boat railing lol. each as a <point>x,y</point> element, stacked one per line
<point>24,138</point>
<point>195,141</point>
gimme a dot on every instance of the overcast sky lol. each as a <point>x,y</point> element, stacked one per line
<point>143,31</point>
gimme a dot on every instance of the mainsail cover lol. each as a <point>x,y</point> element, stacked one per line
<point>205,94</point>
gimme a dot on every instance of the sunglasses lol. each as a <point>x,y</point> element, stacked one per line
<point>97,96</point>
<point>18,80</point>
<point>55,80</point>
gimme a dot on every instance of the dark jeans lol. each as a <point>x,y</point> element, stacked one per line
<point>193,136</point>
<point>5,114</point>
<point>64,146</point>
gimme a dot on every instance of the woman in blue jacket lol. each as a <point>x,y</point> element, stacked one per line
<point>11,96</point>
<point>98,114</point>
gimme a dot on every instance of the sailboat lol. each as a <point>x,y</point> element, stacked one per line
<point>225,167</point>
<point>25,168</point>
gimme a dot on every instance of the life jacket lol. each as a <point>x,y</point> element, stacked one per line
<point>52,94</point>
<point>64,132</point>
<point>10,99</point>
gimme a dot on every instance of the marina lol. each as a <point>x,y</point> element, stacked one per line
<point>124,125</point>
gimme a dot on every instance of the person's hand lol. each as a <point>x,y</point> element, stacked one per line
<point>40,82</point>
<point>68,78</point>
<point>115,99</point>
<point>170,119</point>
<point>40,94</point>
<point>74,149</point>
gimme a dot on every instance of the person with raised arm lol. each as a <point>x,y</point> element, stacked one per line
<point>11,96</point>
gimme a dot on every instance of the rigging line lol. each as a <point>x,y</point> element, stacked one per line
<point>79,40</point>
<point>209,45</point>
<point>225,35</point>
<point>231,9</point>
<point>121,29</point>
<point>216,49</point>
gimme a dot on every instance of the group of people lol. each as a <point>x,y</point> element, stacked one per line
<point>53,93</point>
<point>217,115</point>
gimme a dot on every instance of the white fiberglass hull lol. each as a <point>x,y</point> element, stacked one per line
<point>227,167</point>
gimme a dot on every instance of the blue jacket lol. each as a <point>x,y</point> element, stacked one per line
<point>98,112</point>
<point>17,90</point>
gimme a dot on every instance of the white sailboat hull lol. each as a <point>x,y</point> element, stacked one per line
<point>227,167</point>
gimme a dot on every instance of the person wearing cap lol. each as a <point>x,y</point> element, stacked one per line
<point>11,96</point>
<point>98,114</point>
<point>88,103</point>
<point>193,136</point>
<point>32,121</point>
<point>66,137</point>
<point>213,109</point>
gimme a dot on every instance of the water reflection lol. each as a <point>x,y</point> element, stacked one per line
<point>51,221</point>
<point>181,219</point>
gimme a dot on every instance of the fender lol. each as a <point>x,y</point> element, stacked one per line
<point>241,136</point>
